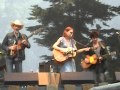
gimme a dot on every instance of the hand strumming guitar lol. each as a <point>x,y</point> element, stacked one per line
<point>13,47</point>
<point>13,50</point>
<point>67,50</point>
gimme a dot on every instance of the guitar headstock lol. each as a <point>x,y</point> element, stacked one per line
<point>113,53</point>
<point>37,31</point>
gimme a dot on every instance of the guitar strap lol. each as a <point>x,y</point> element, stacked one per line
<point>101,44</point>
<point>72,43</point>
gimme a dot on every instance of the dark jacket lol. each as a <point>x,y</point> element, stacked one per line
<point>9,40</point>
<point>103,51</point>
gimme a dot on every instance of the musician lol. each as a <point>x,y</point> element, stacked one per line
<point>63,44</point>
<point>99,49</point>
<point>14,45</point>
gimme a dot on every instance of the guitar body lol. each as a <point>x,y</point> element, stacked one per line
<point>61,57</point>
<point>89,60</point>
<point>92,60</point>
<point>85,65</point>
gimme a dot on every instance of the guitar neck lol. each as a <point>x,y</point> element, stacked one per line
<point>35,32</point>
<point>30,36</point>
<point>109,54</point>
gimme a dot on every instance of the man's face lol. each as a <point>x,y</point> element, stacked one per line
<point>16,27</point>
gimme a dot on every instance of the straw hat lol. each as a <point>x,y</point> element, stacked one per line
<point>17,22</point>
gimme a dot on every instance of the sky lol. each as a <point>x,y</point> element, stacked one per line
<point>20,9</point>
<point>115,22</point>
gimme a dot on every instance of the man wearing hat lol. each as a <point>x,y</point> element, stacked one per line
<point>14,45</point>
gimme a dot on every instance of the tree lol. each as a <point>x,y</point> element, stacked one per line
<point>75,13</point>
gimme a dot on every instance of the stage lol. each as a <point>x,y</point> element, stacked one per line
<point>56,81</point>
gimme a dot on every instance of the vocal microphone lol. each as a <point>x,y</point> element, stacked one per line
<point>117,32</point>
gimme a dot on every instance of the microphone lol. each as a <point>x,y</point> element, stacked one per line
<point>118,33</point>
<point>108,49</point>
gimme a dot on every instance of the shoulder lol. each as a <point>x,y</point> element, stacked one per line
<point>10,34</point>
<point>102,44</point>
<point>101,41</point>
<point>60,38</point>
<point>24,35</point>
<point>89,43</point>
<point>73,40</point>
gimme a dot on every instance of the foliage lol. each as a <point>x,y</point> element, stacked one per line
<point>75,13</point>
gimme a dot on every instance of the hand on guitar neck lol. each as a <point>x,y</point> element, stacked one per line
<point>24,42</point>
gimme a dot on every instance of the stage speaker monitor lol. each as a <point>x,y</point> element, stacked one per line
<point>77,77</point>
<point>21,78</point>
<point>44,67</point>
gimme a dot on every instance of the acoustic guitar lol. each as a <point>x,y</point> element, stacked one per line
<point>61,57</point>
<point>92,60</point>
<point>70,53</point>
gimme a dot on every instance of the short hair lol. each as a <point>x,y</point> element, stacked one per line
<point>94,34</point>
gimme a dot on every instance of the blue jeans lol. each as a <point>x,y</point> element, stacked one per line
<point>13,66</point>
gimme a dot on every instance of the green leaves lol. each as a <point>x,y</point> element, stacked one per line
<point>75,13</point>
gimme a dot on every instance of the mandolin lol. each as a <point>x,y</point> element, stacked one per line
<point>19,44</point>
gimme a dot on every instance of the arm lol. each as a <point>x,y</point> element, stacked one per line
<point>25,41</point>
<point>83,49</point>
<point>56,45</point>
<point>5,45</point>
<point>103,50</point>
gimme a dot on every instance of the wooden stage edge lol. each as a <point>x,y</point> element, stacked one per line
<point>48,78</point>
